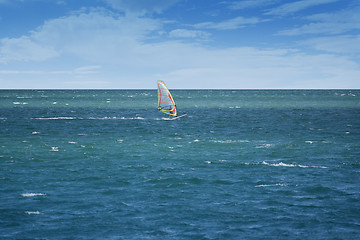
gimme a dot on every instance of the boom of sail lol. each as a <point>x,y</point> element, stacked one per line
<point>166,103</point>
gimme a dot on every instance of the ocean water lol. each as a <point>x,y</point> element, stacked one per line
<point>243,164</point>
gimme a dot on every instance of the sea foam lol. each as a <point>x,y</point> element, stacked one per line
<point>32,212</point>
<point>272,185</point>
<point>281,164</point>
<point>32,194</point>
<point>55,118</point>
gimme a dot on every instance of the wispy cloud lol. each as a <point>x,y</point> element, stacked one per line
<point>24,49</point>
<point>61,2</point>
<point>96,35</point>
<point>230,24</point>
<point>255,68</point>
<point>185,33</point>
<point>86,84</point>
<point>85,70</point>
<point>16,72</point>
<point>141,7</point>
<point>345,44</point>
<point>329,23</point>
<point>239,5</point>
<point>297,6</point>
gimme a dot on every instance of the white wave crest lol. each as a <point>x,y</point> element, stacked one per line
<point>32,212</point>
<point>116,118</point>
<point>19,103</point>
<point>266,145</point>
<point>272,185</point>
<point>230,141</point>
<point>132,118</point>
<point>32,194</point>
<point>55,118</point>
<point>19,97</point>
<point>54,149</point>
<point>281,164</point>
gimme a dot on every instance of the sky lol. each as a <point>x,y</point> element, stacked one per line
<point>189,44</point>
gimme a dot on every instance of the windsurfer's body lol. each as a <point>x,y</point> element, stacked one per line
<point>172,113</point>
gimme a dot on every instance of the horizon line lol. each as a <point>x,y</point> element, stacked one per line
<point>230,89</point>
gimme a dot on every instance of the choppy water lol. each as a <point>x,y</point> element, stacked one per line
<point>242,164</point>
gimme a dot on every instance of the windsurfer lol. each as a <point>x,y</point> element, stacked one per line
<point>166,103</point>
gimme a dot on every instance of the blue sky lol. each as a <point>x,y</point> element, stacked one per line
<point>129,44</point>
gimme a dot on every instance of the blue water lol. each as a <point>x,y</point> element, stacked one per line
<point>244,164</point>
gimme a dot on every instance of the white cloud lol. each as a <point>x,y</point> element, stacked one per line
<point>141,7</point>
<point>97,35</point>
<point>185,33</point>
<point>85,70</point>
<point>24,49</point>
<point>329,23</point>
<point>86,84</point>
<point>113,52</point>
<point>254,68</point>
<point>12,72</point>
<point>238,5</point>
<point>61,3</point>
<point>192,66</point>
<point>336,44</point>
<point>297,6</point>
<point>234,23</point>
<point>82,77</point>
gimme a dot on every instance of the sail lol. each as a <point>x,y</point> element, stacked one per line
<point>166,103</point>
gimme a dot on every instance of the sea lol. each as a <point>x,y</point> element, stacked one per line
<point>242,164</point>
